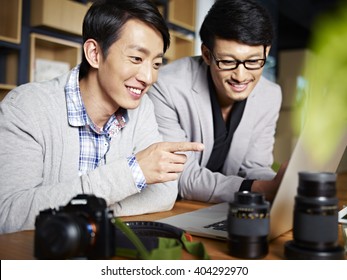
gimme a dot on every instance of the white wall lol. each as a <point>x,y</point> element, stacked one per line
<point>202,7</point>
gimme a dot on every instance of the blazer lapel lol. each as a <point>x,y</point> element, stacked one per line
<point>202,100</point>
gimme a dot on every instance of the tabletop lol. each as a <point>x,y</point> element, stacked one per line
<point>20,245</point>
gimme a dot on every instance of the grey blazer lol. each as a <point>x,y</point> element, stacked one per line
<point>183,110</point>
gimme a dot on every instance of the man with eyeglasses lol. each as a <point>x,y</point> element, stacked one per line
<point>221,99</point>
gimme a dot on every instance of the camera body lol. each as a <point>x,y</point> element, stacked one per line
<point>81,229</point>
<point>248,225</point>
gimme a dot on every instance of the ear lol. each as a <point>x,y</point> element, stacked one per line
<point>206,54</point>
<point>92,53</point>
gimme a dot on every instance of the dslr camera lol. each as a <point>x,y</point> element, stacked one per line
<point>82,229</point>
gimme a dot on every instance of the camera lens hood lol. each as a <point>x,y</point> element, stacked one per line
<point>317,184</point>
<point>248,198</point>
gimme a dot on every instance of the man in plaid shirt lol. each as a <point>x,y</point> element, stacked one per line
<point>92,130</point>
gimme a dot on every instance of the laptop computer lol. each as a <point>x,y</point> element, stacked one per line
<point>208,222</point>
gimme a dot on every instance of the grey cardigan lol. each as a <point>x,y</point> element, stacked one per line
<point>182,103</point>
<point>39,158</point>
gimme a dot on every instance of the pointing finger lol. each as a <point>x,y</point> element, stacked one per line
<point>183,146</point>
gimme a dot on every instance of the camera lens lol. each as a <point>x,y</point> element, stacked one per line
<point>315,213</point>
<point>64,236</point>
<point>315,224</point>
<point>83,228</point>
<point>248,225</point>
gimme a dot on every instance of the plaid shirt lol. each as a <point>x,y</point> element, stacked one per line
<point>95,142</point>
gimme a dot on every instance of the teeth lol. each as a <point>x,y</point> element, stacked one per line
<point>135,90</point>
<point>238,85</point>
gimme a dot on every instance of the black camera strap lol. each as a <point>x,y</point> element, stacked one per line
<point>155,241</point>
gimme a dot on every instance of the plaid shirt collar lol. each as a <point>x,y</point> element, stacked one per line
<point>77,114</point>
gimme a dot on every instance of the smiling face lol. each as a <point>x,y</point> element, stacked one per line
<point>130,67</point>
<point>233,85</point>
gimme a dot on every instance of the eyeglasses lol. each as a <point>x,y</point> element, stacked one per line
<point>249,64</point>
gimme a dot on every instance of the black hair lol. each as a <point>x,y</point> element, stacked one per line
<point>105,19</point>
<point>245,21</point>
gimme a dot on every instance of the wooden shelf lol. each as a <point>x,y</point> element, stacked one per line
<point>9,74</point>
<point>52,49</point>
<point>4,89</point>
<point>10,20</point>
<point>181,46</point>
<point>9,71</point>
<point>161,9</point>
<point>182,13</point>
<point>63,15</point>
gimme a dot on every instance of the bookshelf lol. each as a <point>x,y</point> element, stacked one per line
<point>10,20</point>
<point>10,34</point>
<point>181,15</point>
<point>51,49</point>
<point>50,30</point>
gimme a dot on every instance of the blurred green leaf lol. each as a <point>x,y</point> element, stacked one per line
<point>324,110</point>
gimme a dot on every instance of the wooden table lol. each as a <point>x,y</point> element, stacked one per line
<point>19,245</point>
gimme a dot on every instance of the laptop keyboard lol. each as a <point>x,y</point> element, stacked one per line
<point>222,225</point>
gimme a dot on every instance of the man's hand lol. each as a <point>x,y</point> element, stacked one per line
<point>269,188</point>
<point>162,162</point>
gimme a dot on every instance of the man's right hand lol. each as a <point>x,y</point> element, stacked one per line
<point>162,162</point>
<point>269,188</point>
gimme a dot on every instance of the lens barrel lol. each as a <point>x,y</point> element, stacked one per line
<point>248,225</point>
<point>315,222</point>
